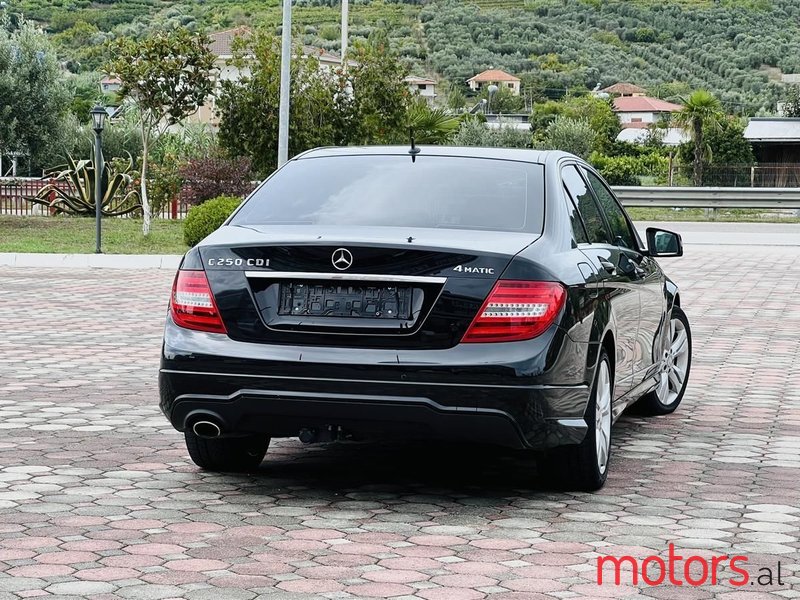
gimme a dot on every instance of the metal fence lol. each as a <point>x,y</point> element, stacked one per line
<point>14,192</point>
<point>710,197</point>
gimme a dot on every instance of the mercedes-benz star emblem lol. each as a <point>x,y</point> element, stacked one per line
<point>342,259</point>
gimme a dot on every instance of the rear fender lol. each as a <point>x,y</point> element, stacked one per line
<point>602,325</point>
<point>673,297</point>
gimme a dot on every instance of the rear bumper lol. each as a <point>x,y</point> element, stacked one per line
<point>501,394</point>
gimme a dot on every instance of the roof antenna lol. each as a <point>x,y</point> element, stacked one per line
<point>413,151</point>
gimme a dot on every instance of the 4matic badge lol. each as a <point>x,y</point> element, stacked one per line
<point>463,269</point>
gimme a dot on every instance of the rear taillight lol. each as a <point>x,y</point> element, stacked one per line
<point>192,304</point>
<point>517,310</point>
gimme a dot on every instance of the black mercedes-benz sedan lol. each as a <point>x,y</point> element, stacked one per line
<point>487,295</point>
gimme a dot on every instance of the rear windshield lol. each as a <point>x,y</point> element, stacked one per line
<point>393,191</point>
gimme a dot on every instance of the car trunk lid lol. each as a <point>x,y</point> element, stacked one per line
<point>382,287</point>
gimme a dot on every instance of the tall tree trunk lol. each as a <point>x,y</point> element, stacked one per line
<point>698,152</point>
<point>143,183</point>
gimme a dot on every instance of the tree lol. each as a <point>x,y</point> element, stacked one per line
<point>84,44</point>
<point>701,111</point>
<point>596,111</point>
<point>85,94</point>
<point>725,144</point>
<point>168,76</point>
<point>455,98</point>
<point>570,135</point>
<point>248,107</point>
<point>380,98</point>
<point>33,98</point>
<point>474,132</point>
<point>791,101</point>
<point>504,100</point>
<point>367,103</point>
<point>431,125</point>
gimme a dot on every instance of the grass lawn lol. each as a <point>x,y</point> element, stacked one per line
<point>743,215</point>
<point>75,235</point>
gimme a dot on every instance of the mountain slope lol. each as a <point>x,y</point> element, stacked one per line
<point>728,47</point>
<point>736,48</point>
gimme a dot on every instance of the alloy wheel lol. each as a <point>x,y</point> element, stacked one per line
<point>602,416</point>
<point>674,365</point>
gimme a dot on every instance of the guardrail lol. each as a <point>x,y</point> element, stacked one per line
<point>710,197</point>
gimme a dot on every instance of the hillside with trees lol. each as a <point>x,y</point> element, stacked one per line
<point>735,48</point>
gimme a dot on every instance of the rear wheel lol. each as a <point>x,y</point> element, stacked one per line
<point>585,466</point>
<point>226,453</point>
<point>674,372</point>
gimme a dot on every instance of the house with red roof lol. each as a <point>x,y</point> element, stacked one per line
<point>638,113</point>
<point>110,84</point>
<point>641,111</point>
<point>624,89</point>
<point>495,77</point>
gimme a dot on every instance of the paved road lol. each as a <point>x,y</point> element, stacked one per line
<point>731,234</point>
<point>99,500</point>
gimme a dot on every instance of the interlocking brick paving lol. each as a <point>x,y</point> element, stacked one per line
<point>98,498</point>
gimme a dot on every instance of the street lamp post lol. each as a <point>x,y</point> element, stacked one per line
<point>98,122</point>
<point>286,61</point>
<point>345,26</point>
<point>493,89</point>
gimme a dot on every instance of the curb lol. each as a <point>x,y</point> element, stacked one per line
<point>91,261</point>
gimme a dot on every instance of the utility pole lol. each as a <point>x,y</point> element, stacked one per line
<point>345,25</point>
<point>286,62</point>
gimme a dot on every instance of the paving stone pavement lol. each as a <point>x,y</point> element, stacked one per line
<point>98,498</point>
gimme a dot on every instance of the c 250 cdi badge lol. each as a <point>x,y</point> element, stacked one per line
<point>489,295</point>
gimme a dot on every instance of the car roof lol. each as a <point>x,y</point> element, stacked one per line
<point>516,154</point>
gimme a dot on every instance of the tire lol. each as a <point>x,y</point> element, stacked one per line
<point>231,454</point>
<point>584,466</point>
<point>675,366</point>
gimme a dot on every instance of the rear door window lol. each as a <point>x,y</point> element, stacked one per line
<point>620,229</point>
<point>578,230</point>
<point>579,191</point>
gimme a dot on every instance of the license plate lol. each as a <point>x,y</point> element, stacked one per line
<point>349,301</point>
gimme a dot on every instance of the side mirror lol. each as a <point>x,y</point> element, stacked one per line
<point>661,242</point>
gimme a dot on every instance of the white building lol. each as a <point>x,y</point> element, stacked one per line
<point>110,84</point>
<point>633,110</point>
<point>425,87</point>
<point>637,114</point>
<point>494,77</point>
<point>672,136</point>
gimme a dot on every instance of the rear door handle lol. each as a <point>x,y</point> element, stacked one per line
<point>607,266</point>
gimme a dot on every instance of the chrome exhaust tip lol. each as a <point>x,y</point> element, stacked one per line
<point>206,429</point>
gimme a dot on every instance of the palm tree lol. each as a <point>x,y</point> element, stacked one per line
<point>701,110</point>
<point>431,125</point>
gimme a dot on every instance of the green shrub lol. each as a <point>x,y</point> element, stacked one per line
<point>474,132</point>
<point>206,218</point>
<point>629,170</point>
<point>570,135</point>
<point>617,170</point>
